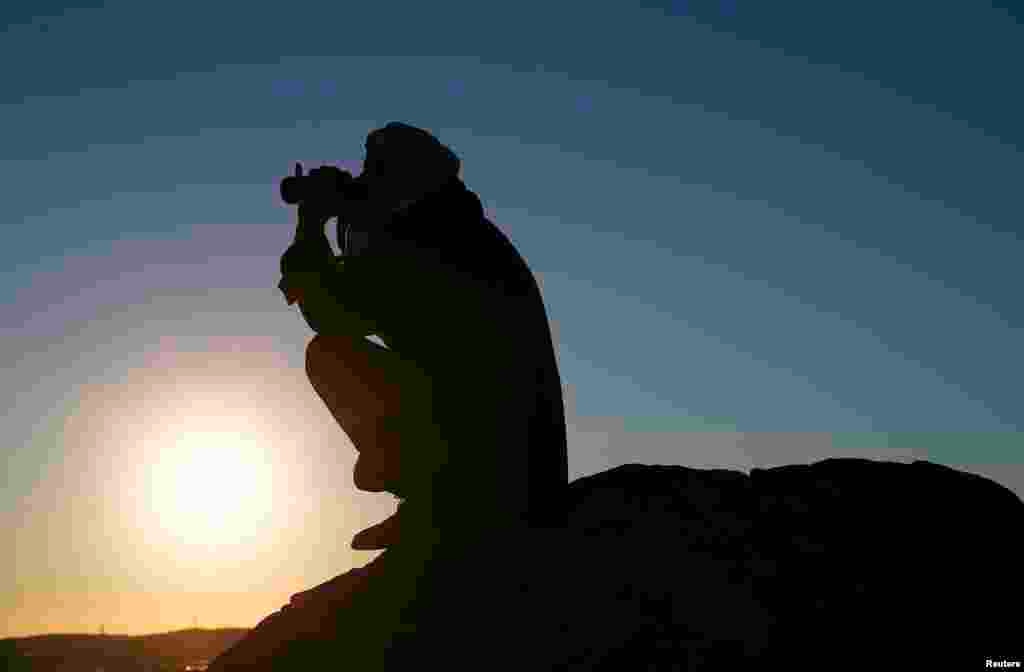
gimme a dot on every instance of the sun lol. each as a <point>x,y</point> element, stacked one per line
<point>211,488</point>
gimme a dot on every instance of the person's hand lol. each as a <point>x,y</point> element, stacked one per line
<point>302,265</point>
<point>312,218</point>
<point>314,213</point>
<point>295,285</point>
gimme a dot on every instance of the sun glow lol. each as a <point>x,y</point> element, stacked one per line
<point>212,488</point>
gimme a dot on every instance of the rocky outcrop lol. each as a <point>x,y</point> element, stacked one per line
<point>847,563</point>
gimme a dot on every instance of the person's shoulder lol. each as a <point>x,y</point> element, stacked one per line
<point>452,196</point>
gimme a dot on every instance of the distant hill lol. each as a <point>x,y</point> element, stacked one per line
<point>169,651</point>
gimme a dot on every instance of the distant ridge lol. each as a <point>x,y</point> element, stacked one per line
<point>114,653</point>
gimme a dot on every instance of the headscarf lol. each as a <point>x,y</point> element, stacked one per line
<point>404,164</point>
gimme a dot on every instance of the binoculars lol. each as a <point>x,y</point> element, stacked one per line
<point>324,185</point>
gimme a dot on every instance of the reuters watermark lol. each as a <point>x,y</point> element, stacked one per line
<point>997,664</point>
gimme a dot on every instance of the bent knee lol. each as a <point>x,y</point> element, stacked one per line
<point>314,355</point>
<point>342,362</point>
<point>324,349</point>
<point>314,350</point>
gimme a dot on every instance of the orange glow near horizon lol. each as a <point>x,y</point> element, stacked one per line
<point>142,613</point>
<point>207,485</point>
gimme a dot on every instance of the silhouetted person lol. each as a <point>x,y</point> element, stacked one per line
<point>461,415</point>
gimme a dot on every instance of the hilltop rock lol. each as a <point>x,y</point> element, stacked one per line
<point>843,563</point>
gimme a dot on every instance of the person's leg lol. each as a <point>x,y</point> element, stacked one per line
<point>380,400</point>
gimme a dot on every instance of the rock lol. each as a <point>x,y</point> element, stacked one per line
<point>847,563</point>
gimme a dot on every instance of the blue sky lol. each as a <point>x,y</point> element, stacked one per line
<point>765,234</point>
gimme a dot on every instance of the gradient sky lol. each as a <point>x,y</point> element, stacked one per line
<point>766,233</point>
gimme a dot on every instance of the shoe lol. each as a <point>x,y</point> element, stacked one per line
<point>382,535</point>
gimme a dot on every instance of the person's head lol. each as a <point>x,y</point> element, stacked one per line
<point>404,163</point>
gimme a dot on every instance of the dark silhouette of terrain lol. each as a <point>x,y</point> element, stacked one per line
<point>844,563</point>
<point>494,561</point>
<point>170,651</point>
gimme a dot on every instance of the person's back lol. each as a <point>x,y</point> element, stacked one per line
<point>486,343</point>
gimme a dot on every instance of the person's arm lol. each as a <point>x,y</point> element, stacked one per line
<point>331,296</point>
<point>404,290</point>
<point>335,302</point>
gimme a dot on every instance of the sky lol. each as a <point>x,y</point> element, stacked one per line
<point>765,233</point>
